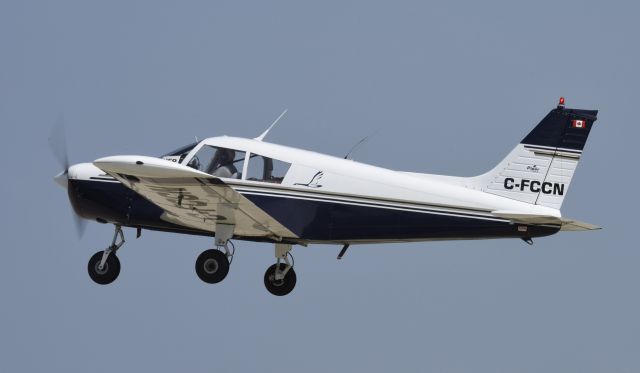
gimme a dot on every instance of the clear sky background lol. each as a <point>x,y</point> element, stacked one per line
<point>448,87</point>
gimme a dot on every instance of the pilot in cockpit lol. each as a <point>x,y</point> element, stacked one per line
<point>222,164</point>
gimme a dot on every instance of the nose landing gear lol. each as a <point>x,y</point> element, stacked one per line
<point>104,266</point>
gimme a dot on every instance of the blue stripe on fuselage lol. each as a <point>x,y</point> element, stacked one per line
<point>334,221</point>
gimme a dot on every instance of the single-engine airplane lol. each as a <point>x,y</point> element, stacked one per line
<point>248,189</point>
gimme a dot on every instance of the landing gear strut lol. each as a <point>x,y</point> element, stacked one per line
<point>212,266</point>
<point>280,278</point>
<point>104,266</point>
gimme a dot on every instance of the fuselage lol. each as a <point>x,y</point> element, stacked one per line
<point>321,198</point>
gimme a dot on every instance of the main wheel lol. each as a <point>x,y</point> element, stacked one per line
<point>212,266</point>
<point>279,287</point>
<point>109,272</point>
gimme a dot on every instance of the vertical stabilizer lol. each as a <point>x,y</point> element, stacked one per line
<point>540,168</point>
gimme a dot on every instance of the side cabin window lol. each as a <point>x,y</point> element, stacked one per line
<point>220,162</point>
<point>266,169</point>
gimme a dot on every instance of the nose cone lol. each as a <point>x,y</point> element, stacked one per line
<point>62,179</point>
<point>76,171</point>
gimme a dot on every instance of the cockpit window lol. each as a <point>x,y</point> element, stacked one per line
<point>220,162</point>
<point>266,169</point>
<point>179,154</point>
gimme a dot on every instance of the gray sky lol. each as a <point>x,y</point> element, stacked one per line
<point>449,87</point>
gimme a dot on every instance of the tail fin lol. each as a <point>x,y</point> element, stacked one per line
<point>540,168</point>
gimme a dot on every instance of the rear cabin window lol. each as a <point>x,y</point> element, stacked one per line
<point>220,162</point>
<point>266,169</point>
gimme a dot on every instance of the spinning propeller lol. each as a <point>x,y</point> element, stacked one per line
<point>58,143</point>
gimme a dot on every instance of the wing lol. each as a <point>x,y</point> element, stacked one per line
<point>192,198</point>
<point>535,219</point>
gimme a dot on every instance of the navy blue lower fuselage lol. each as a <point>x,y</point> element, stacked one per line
<point>312,220</point>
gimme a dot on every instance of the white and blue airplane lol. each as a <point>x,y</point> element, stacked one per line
<point>248,189</point>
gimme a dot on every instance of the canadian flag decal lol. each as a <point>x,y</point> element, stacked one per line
<point>578,123</point>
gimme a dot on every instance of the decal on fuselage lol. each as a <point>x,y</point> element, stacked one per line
<point>313,183</point>
<point>175,159</point>
<point>534,186</point>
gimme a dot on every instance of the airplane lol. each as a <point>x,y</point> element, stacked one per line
<point>232,188</point>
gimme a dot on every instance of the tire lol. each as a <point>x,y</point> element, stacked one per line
<point>109,272</point>
<point>212,266</point>
<point>281,287</point>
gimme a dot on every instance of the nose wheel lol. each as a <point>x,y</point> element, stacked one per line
<point>108,272</point>
<point>104,266</point>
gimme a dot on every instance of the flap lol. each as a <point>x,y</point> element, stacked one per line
<point>190,197</point>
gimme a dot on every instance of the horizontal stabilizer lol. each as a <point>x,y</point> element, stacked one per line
<point>524,218</point>
<point>575,225</point>
<point>537,219</point>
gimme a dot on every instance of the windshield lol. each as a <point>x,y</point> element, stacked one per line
<point>179,154</point>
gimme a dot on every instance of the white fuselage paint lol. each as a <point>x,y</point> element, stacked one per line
<point>354,182</point>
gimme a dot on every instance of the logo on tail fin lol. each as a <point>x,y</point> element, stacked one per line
<point>578,123</point>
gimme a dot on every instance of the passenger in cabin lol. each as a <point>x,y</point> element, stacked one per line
<point>222,164</point>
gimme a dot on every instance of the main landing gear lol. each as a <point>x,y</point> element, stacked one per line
<point>212,266</point>
<point>104,266</point>
<point>280,278</point>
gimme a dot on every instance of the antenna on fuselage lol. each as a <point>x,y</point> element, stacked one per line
<point>357,146</point>
<point>261,137</point>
